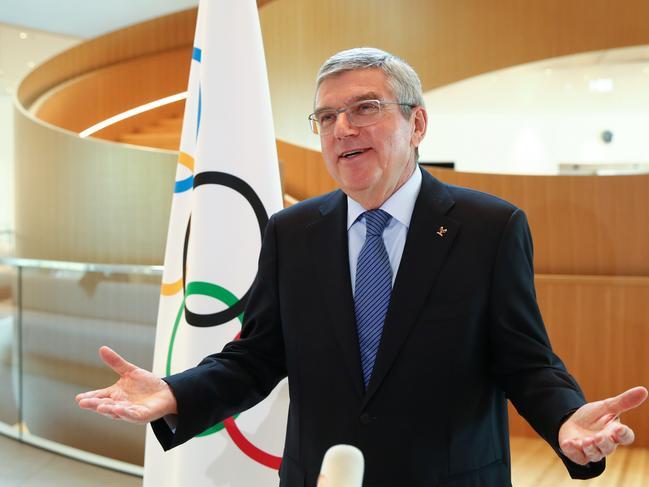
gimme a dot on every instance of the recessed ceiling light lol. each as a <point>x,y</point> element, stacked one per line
<point>23,35</point>
<point>31,64</point>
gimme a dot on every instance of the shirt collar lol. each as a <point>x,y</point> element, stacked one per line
<point>400,205</point>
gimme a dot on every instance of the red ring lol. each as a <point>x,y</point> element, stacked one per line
<point>258,455</point>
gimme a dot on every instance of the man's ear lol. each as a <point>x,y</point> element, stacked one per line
<point>421,122</point>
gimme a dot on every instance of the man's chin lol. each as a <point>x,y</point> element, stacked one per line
<point>358,180</point>
<point>368,197</point>
<point>351,188</point>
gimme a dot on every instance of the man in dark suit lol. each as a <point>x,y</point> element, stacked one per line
<point>402,310</point>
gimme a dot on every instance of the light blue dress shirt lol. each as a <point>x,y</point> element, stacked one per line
<point>400,206</point>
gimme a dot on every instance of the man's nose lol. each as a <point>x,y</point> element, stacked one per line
<point>343,128</point>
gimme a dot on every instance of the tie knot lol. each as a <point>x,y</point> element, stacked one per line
<point>375,221</point>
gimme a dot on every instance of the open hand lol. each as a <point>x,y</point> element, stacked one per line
<point>594,430</point>
<point>138,396</point>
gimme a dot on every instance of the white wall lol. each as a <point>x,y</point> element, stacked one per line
<point>529,119</point>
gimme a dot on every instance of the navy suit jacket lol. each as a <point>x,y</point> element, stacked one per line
<point>462,334</point>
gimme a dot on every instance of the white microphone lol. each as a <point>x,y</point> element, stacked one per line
<point>342,466</point>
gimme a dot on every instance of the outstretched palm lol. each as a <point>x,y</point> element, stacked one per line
<point>594,430</point>
<point>138,396</point>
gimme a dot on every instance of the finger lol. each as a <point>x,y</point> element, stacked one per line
<point>125,412</point>
<point>627,400</point>
<point>624,435</point>
<point>93,403</point>
<point>605,444</point>
<point>91,394</point>
<point>115,361</point>
<point>592,452</point>
<point>89,403</point>
<point>118,410</point>
<point>572,450</point>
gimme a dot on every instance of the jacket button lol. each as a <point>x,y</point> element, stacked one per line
<point>366,418</point>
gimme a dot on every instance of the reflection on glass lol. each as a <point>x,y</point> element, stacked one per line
<point>9,373</point>
<point>66,313</point>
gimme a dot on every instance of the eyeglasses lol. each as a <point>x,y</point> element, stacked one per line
<point>359,114</point>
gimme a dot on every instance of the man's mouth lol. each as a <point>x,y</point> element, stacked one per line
<point>350,154</point>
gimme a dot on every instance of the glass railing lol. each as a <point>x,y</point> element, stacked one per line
<point>53,318</point>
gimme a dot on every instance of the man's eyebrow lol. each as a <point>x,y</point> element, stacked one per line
<point>370,95</point>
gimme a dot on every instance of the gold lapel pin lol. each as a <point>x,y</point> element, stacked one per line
<point>441,231</point>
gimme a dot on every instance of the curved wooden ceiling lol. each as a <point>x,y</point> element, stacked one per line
<point>444,40</point>
<point>448,40</point>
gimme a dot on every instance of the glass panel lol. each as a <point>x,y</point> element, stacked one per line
<point>9,371</point>
<point>66,316</point>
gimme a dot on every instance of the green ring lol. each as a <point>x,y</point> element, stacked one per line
<point>213,291</point>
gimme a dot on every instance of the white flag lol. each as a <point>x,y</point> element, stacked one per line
<point>227,184</point>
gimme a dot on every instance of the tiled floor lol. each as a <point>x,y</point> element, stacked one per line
<point>23,465</point>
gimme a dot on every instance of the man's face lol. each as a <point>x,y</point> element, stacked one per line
<point>369,163</point>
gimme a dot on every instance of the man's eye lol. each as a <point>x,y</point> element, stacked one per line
<point>326,118</point>
<point>366,108</point>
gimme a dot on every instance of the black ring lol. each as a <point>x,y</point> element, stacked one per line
<point>245,190</point>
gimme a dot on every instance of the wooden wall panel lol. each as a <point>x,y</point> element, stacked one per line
<point>599,326</point>
<point>589,225</point>
<point>303,172</point>
<point>581,224</point>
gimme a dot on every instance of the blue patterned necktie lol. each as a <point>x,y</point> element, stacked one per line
<point>373,289</point>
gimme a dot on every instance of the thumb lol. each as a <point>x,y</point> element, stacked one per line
<point>629,399</point>
<point>115,361</point>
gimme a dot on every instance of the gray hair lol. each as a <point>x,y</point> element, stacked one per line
<point>402,78</point>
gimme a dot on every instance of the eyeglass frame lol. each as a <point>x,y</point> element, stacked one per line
<point>315,125</point>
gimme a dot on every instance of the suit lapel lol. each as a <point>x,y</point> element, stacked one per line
<point>328,244</point>
<point>429,240</point>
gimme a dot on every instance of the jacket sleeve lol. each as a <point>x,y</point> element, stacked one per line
<point>525,367</point>
<point>244,373</point>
